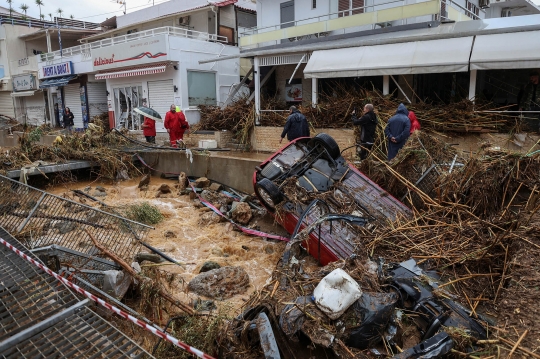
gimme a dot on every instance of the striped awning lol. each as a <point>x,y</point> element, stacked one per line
<point>132,71</point>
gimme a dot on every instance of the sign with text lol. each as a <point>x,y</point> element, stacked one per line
<point>57,70</point>
<point>138,52</point>
<point>24,62</point>
<point>24,82</point>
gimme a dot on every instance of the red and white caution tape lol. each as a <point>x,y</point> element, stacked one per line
<point>101,302</point>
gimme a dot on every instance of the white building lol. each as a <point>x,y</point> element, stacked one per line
<point>152,58</point>
<point>413,48</point>
<point>21,39</point>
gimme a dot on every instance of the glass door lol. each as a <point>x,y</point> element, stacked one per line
<point>126,99</point>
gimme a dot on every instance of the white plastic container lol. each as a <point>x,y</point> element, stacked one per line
<point>207,144</point>
<point>336,293</point>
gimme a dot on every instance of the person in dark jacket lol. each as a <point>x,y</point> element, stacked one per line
<point>68,119</point>
<point>296,126</point>
<point>397,130</point>
<point>368,124</point>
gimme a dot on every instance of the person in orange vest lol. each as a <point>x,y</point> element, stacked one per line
<point>415,124</point>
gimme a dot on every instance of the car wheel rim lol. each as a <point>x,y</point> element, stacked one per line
<point>266,197</point>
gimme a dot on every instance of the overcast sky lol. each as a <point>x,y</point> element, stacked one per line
<point>90,10</point>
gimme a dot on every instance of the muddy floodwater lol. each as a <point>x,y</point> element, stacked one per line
<point>183,236</point>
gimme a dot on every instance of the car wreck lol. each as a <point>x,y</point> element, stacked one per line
<point>315,166</point>
<point>351,303</point>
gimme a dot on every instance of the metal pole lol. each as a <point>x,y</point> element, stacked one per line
<point>314,91</point>
<point>257,76</point>
<point>400,89</point>
<point>386,85</point>
<point>472,85</point>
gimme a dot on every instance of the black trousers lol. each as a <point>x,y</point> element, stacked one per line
<point>150,139</point>
<point>363,150</point>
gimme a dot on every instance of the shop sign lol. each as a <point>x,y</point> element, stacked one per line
<point>23,62</point>
<point>24,82</point>
<point>62,69</point>
<point>141,52</point>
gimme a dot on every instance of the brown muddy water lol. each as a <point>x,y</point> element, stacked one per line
<point>194,242</point>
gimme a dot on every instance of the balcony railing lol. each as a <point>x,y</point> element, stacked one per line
<point>85,49</point>
<point>370,15</point>
<point>17,20</point>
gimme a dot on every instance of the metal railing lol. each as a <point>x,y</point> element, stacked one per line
<point>49,220</point>
<point>86,48</point>
<point>43,318</point>
<point>18,20</point>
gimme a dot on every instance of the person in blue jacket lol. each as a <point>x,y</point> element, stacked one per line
<point>397,130</point>
<point>296,126</point>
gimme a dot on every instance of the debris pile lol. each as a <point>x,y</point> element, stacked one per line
<point>334,111</point>
<point>97,144</point>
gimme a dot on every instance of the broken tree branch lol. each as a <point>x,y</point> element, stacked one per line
<point>140,278</point>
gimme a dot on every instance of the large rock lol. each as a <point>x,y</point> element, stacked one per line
<point>222,283</point>
<point>182,182</point>
<point>144,181</point>
<point>202,182</point>
<point>241,213</point>
<point>210,218</point>
<point>215,187</point>
<point>208,266</point>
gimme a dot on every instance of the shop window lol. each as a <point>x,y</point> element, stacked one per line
<point>314,4</point>
<point>201,88</point>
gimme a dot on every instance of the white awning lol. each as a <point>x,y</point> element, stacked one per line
<point>133,71</point>
<point>515,50</point>
<point>419,57</point>
<point>23,93</point>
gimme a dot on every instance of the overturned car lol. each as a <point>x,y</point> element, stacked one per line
<point>316,166</point>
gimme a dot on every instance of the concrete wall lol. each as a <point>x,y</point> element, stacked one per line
<point>238,173</point>
<point>163,9</point>
<point>266,139</point>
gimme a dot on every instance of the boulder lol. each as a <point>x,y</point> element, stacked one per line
<point>210,218</point>
<point>202,182</point>
<point>165,189</point>
<point>169,234</point>
<point>144,181</point>
<point>216,187</point>
<point>208,266</point>
<point>183,182</point>
<point>241,213</point>
<point>222,283</point>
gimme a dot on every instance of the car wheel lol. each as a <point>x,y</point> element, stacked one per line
<point>271,171</point>
<point>327,142</point>
<point>269,193</point>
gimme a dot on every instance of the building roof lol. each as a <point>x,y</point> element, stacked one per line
<point>73,34</point>
<point>247,5</point>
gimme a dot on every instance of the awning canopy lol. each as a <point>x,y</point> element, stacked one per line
<point>432,56</point>
<point>132,71</point>
<point>23,93</point>
<point>57,81</point>
<point>516,50</point>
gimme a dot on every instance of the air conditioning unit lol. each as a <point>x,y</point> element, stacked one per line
<point>483,4</point>
<point>184,20</point>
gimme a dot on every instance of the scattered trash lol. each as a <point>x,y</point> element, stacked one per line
<point>336,293</point>
<point>116,283</point>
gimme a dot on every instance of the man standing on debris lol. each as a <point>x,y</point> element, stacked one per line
<point>397,130</point>
<point>531,95</point>
<point>415,124</point>
<point>68,119</point>
<point>176,124</point>
<point>368,125</point>
<point>296,125</point>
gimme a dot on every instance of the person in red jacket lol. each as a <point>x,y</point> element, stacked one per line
<point>149,130</point>
<point>172,125</point>
<point>415,124</point>
<point>176,125</point>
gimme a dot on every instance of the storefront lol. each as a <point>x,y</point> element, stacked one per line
<point>70,91</point>
<point>29,102</point>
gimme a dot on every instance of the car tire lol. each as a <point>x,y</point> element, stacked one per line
<point>327,142</point>
<point>269,193</point>
<point>271,171</point>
